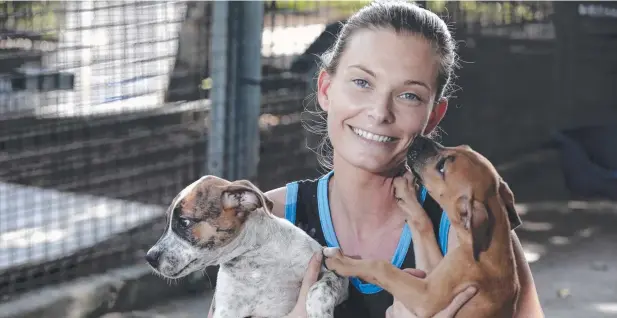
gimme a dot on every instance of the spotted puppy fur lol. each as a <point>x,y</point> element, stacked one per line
<point>262,258</point>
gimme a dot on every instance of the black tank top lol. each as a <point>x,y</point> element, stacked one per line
<point>307,207</point>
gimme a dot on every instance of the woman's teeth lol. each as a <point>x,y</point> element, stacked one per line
<point>371,136</point>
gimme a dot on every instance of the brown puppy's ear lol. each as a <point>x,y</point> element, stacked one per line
<point>244,194</point>
<point>508,200</point>
<point>477,219</point>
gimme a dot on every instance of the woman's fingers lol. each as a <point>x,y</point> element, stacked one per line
<point>415,272</point>
<point>458,302</point>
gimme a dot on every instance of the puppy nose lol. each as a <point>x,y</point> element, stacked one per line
<point>417,148</point>
<point>153,258</point>
<point>420,143</point>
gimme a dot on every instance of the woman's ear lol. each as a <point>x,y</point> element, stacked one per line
<point>437,114</point>
<point>323,85</point>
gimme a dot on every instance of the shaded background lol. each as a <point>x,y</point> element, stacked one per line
<point>109,108</point>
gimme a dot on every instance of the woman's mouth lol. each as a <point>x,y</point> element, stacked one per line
<point>371,136</point>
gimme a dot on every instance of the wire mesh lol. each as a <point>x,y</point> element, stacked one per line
<point>296,33</point>
<point>87,168</point>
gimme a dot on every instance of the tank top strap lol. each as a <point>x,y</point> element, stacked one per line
<point>301,208</point>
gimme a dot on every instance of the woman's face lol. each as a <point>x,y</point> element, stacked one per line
<point>381,97</point>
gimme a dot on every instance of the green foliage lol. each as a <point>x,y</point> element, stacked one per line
<point>43,17</point>
<point>310,6</point>
<point>502,12</point>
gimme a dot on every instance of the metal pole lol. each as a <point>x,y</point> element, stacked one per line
<point>219,92</point>
<point>233,146</point>
<point>250,87</point>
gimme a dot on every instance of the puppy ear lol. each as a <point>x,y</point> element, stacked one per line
<point>508,200</point>
<point>477,219</point>
<point>244,194</point>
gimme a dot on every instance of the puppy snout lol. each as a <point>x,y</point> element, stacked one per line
<point>421,149</point>
<point>419,144</point>
<point>152,257</point>
<point>423,144</point>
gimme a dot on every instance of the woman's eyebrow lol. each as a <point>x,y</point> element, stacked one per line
<point>362,68</point>
<point>412,82</point>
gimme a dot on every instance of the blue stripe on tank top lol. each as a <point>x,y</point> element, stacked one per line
<point>328,230</point>
<point>444,230</point>
<point>291,201</point>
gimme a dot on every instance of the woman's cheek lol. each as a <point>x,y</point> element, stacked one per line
<point>353,97</point>
<point>416,120</point>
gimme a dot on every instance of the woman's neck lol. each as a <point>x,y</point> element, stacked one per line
<point>365,199</point>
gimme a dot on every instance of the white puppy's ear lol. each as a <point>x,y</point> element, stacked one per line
<point>245,195</point>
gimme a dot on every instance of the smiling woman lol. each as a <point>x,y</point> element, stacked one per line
<point>384,82</point>
<point>386,99</point>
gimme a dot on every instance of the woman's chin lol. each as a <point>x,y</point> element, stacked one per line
<point>373,164</point>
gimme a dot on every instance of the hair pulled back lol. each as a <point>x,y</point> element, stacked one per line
<point>400,16</point>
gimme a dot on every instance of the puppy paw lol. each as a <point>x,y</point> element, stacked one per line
<point>406,189</point>
<point>333,259</point>
<point>324,295</point>
<point>332,252</point>
<point>340,264</point>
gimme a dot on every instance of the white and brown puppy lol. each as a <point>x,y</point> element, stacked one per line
<point>262,258</point>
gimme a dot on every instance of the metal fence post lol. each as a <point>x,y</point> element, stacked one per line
<point>218,95</point>
<point>233,146</point>
<point>250,95</point>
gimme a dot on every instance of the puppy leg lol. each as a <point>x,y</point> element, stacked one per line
<point>228,306</point>
<point>427,251</point>
<point>415,293</point>
<point>226,312</point>
<point>329,291</point>
<point>406,193</point>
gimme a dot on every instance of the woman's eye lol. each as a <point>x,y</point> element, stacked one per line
<point>361,83</point>
<point>411,96</point>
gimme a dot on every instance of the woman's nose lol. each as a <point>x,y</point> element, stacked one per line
<point>381,111</point>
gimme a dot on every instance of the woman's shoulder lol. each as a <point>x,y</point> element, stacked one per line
<point>278,197</point>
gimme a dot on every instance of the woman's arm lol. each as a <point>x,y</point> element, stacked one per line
<point>528,304</point>
<point>278,197</point>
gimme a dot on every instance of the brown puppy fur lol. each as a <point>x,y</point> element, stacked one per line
<point>219,209</point>
<point>478,203</point>
<point>209,215</point>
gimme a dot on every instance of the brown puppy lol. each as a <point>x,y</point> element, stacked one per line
<point>480,207</point>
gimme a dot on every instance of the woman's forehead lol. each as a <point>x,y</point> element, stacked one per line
<point>386,51</point>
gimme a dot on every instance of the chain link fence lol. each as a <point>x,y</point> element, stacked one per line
<point>104,112</point>
<point>90,156</point>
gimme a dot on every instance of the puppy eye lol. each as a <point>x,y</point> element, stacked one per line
<point>441,166</point>
<point>185,222</point>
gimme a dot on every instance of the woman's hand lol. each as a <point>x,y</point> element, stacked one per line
<point>397,310</point>
<point>312,272</point>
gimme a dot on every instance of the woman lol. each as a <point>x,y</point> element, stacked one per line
<point>384,82</point>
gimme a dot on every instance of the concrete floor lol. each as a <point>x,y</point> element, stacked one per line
<point>573,254</point>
